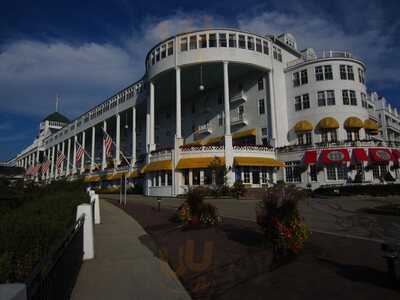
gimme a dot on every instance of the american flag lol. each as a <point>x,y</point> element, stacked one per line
<point>46,166</point>
<point>60,159</point>
<point>36,169</point>
<point>29,171</point>
<point>79,153</point>
<point>108,144</point>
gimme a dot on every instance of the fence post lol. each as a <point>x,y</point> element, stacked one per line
<point>95,198</point>
<point>88,233</point>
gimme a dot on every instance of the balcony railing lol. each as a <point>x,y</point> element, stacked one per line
<point>321,55</point>
<point>203,129</point>
<point>238,119</point>
<point>240,97</point>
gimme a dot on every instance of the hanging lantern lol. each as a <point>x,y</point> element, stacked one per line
<point>201,86</point>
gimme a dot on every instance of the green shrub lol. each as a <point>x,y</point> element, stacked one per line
<point>238,189</point>
<point>29,229</point>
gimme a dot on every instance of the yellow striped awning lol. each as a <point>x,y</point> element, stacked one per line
<point>214,140</point>
<point>370,124</point>
<point>303,126</point>
<point>195,143</point>
<point>155,166</point>
<point>198,162</point>
<point>328,123</point>
<point>257,162</point>
<point>116,176</point>
<point>134,174</point>
<point>353,123</point>
<point>245,133</point>
<point>90,179</point>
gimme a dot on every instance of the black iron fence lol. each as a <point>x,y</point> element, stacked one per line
<point>55,276</point>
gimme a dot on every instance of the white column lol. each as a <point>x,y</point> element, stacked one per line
<point>68,156</point>
<point>104,162</point>
<point>152,125</point>
<point>226,100</point>
<point>272,105</point>
<point>92,163</point>
<point>83,156</point>
<point>52,162</point>
<point>74,155</point>
<point>133,159</point>
<point>25,163</point>
<point>178,104</point>
<point>63,151</point>
<point>118,140</point>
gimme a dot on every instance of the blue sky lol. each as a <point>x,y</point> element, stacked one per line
<point>86,50</point>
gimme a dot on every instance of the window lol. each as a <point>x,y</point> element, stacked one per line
<point>328,72</point>
<point>193,42</point>
<point>343,74</point>
<point>292,171</point>
<point>306,101</point>
<point>277,53</point>
<point>184,45</point>
<point>361,77</point>
<point>246,175</point>
<point>222,40</point>
<point>353,135</point>
<point>163,51</point>
<point>261,107</point>
<point>186,177</point>
<point>260,84</point>
<point>153,59</point>
<point>170,48</point>
<point>304,138</point>
<point>232,41</point>
<point>350,73</point>
<point>258,45</point>
<point>338,172</point>
<point>242,41</point>
<point>313,173</point>
<point>330,95</point>
<point>250,43</point>
<point>203,41</point>
<point>328,135</point>
<point>321,98</point>
<point>221,119</point>
<point>297,103</point>
<point>364,100</point>
<point>196,176</point>
<point>353,98</point>
<point>212,40</point>
<point>345,96</point>
<point>296,79</point>
<point>158,54</point>
<point>319,75</point>
<point>304,76</point>
<point>265,47</point>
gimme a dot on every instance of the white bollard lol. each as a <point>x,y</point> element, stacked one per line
<point>95,198</point>
<point>91,193</point>
<point>88,234</point>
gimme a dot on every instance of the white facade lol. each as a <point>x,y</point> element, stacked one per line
<point>243,98</point>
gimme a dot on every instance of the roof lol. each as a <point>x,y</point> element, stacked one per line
<point>56,117</point>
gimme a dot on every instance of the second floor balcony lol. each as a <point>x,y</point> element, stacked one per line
<point>238,119</point>
<point>239,97</point>
<point>203,129</point>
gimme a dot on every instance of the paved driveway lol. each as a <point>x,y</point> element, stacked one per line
<point>342,215</point>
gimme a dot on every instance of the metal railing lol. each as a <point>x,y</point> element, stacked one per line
<point>54,277</point>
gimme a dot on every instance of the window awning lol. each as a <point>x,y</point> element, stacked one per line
<point>328,123</point>
<point>303,126</point>
<point>353,123</point>
<point>245,133</point>
<point>134,174</point>
<point>370,124</point>
<point>332,156</point>
<point>381,155</point>
<point>195,143</point>
<point>396,154</point>
<point>155,166</point>
<point>257,162</point>
<point>359,154</point>
<point>90,179</point>
<point>116,176</point>
<point>215,140</point>
<point>310,157</point>
<point>198,162</point>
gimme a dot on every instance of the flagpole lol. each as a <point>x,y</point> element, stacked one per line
<point>87,154</point>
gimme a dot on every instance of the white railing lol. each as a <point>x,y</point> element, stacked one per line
<point>205,128</point>
<point>202,148</point>
<point>238,118</point>
<point>241,96</point>
<point>321,55</point>
<point>164,154</point>
<point>252,148</point>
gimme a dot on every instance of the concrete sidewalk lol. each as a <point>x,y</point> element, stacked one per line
<point>125,268</point>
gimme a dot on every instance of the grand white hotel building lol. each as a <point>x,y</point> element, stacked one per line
<point>268,111</point>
